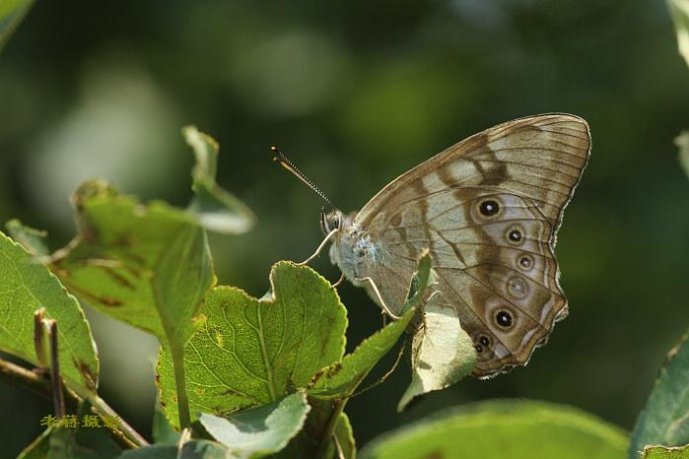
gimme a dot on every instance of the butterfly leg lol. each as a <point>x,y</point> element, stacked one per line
<point>388,373</point>
<point>339,281</point>
<point>381,302</point>
<point>319,249</point>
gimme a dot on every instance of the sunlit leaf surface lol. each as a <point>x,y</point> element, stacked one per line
<point>252,352</point>
<point>503,430</point>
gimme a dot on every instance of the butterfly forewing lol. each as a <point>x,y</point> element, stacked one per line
<point>488,208</point>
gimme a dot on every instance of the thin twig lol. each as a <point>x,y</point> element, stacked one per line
<point>55,376</point>
<point>21,377</point>
<point>123,431</point>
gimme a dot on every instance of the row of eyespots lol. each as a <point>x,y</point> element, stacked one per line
<point>504,319</point>
<point>484,342</point>
<point>515,233</point>
<point>491,208</point>
<point>516,285</point>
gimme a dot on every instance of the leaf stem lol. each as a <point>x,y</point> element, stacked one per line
<point>177,353</point>
<point>264,353</point>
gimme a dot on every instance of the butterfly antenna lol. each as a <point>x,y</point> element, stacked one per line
<point>284,161</point>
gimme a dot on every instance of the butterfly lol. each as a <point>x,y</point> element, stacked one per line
<point>488,209</point>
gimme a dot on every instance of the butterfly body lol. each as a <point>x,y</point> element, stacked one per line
<point>487,209</point>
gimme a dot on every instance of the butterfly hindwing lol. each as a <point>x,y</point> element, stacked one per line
<point>488,208</point>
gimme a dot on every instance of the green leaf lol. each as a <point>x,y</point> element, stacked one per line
<point>260,431</point>
<point>662,452</point>
<point>442,353</point>
<point>665,418</point>
<point>504,430</point>
<point>148,266</point>
<point>28,286</point>
<point>679,10</point>
<point>252,352</point>
<point>11,14</point>
<point>216,209</point>
<point>33,240</point>
<point>341,379</point>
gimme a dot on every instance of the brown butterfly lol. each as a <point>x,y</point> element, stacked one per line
<point>488,209</point>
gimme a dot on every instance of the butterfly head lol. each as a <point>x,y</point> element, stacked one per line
<point>331,220</point>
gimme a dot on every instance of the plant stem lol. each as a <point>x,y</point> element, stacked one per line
<point>122,430</point>
<point>55,376</point>
<point>177,354</point>
<point>329,431</point>
<point>20,376</point>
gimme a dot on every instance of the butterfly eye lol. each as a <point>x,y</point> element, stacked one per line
<point>503,318</point>
<point>488,208</point>
<point>330,221</point>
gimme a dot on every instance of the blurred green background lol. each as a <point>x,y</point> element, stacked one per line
<point>356,93</point>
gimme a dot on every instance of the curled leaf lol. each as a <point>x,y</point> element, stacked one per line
<point>216,209</point>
